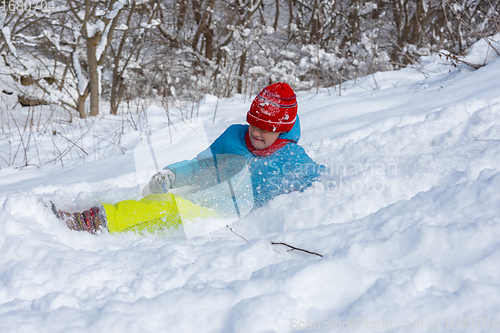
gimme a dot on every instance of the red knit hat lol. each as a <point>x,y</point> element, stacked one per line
<point>274,109</point>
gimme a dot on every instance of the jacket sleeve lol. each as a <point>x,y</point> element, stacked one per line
<point>201,171</point>
<point>190,172</point>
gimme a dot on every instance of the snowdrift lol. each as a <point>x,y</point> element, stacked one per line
<point>407,220</point>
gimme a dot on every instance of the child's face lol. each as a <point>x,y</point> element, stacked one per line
<point>261,139</point>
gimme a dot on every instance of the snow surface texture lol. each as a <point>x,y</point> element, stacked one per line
<point>407,221</point>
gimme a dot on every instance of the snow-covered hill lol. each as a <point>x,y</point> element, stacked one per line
<point>407,221</point>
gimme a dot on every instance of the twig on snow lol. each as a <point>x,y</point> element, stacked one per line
<point>236,233</point>
<point>280,243</point>
<point>298,249</point>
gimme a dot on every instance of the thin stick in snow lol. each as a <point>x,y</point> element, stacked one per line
<point>236,233</point>
<point>298,249</point>
<point>280,243</point>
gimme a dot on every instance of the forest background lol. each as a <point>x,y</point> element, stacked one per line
<point>80,55</point>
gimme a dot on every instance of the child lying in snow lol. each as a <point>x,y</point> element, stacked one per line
<point>277,165</point>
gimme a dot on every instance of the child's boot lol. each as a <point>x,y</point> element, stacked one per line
<point>91,220</point>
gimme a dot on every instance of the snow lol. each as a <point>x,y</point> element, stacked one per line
<point>407,221</point>
<point>93,28</point>
<point>81,79</point>
<point>7,36</point>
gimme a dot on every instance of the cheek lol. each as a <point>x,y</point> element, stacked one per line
<point>270,138</point>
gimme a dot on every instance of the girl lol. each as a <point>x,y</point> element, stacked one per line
<point>276,163</point>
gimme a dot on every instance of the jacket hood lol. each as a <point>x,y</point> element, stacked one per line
<point>294,133</point>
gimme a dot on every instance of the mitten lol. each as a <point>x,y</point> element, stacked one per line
<point>161,181</point>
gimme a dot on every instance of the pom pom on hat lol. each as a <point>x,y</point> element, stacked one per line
<point>274,109</point>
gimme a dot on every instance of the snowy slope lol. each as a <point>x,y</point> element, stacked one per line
<point>407,220</point>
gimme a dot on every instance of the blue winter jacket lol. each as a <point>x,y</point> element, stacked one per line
<point>286,170</point>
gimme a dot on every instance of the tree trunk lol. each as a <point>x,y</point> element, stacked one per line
<point>94,75</point>
<point>277,16</point>
<point>209,46</point>
<point>243,59</point>
<point>81,106</point>
<point>116,93</point>
<point>181,16</point>
<point>202,24</point>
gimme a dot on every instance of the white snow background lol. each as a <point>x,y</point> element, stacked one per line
<point>407,221</point>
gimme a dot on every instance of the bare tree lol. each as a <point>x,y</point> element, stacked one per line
<point>86,51</point>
